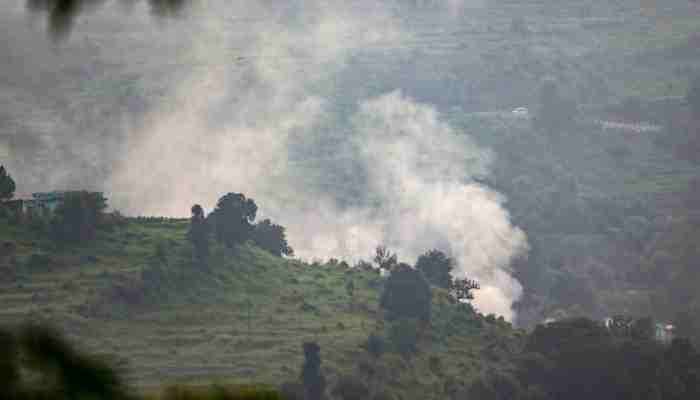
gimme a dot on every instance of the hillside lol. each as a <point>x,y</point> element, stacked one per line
<point>134,295</point>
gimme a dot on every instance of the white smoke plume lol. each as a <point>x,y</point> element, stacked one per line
<point>421,172</point>
<point>251,82</point>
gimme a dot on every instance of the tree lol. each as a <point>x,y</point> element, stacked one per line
<point>555,111</point>
<point>404,336</point>
<point>199,234</point>
<point>233,219</point>
<point>436,267</point>
<point>61,14</point>
<point>693,96</point>
<point>375,345</point>
<point>78,216</point>
<point>461,289</point>
<point>7,185</point>
<point>384,258</point>
<point>311,375</point>
<point>407,294</point>
<point>271,237</point>
<point>350,289</point>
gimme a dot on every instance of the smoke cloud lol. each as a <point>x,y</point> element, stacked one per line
<point>256,101</point>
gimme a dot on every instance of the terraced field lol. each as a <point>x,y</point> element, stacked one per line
<point>242,320</point>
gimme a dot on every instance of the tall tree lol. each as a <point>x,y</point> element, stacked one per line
<point>384,258</point>
<point>407,294</point>
<point>78,216</point>
<point>233,218</point>
<point>693,96</point>
<point>199,234</point>
<point>271,237</point>
<point>436,267</point>
<point>7,185</point>
<point>311,374</point>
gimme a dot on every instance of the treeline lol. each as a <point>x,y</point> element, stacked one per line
<point>232,223</point>
<point>580,359</point>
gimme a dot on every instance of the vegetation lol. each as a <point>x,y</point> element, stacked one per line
<point>436,267</point>
<point>271,237</point>
<point>610,214</point>
<point>311,374</point>
<point>133,294</point>
<point>693,95</point>
<point>233,219</point>
<point>7,185</point>
<point>199,235</point>
<point>78,217</point>
<point>407,294</point>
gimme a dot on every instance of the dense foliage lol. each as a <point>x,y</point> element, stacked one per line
<point>436,267</point>
<point>199,234</point>
<point>233,219</point>
<point>407,294</point>
<point>78,216</point>
<point>311,375</point>
<point>7,185</point>
<point>271,237</point>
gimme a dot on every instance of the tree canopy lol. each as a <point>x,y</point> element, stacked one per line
<point>7,185</point>
<point>271,237</point>
<point>437,267</point>
<point>233,218</point>
<point>407,294</point>
<point>78,216</point>
<point>199,234</point>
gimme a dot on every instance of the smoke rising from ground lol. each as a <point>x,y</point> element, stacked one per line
<point>259,89</point>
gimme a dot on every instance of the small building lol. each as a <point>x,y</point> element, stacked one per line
<point>664,333</point>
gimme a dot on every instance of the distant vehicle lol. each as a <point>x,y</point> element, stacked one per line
<point>521,111</point>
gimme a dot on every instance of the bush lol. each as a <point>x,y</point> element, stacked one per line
<point>38,262</point>
<point>375,345</point>
<point>271,237</point>
<point>404,336</point>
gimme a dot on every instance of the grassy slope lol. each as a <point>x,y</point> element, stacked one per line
<point>194,325</point>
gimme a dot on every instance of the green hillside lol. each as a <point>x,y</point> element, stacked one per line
<point>134,294</point>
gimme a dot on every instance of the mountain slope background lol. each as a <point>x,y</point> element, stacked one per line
<point>601,208</point>
<point>134,296</point>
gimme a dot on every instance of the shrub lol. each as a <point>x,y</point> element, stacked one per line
<point>375,345</point>
<point>38,262</point>
<point>271,237</point>
<point>404,336</point>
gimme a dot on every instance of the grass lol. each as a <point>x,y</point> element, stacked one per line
<point>242,320</point>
